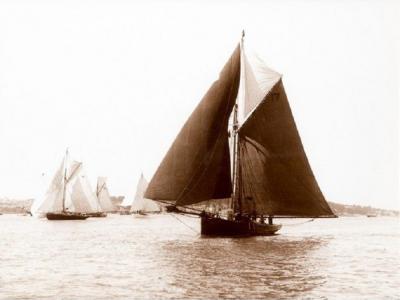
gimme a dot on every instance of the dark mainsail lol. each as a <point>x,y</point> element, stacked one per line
<point>197,166</point>
<point>275,176</point>
<point>271,173</point>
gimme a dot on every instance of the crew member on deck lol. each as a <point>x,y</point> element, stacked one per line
<point>254,215</point>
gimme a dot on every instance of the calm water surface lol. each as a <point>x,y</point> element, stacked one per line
<point>157,257</point>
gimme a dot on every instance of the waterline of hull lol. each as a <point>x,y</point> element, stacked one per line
<point>222,227</point>
<point>65,216</point>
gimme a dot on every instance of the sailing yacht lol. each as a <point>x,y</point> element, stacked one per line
<point>69,196</point>
<point>240,143</point>
<point>103,200</point>
<point>141,205</point>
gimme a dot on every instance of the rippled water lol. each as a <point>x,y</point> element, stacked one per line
<point>157,256</point>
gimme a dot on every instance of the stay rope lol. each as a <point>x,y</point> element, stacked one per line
<point>191,228</point>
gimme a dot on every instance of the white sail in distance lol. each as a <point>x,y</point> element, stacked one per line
<point>78,196</point>
<point>103,195</point>
<point>52,201</point>
<point>139,202</point>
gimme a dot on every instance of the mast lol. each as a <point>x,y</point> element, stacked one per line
<point>65,180</point>
<point>236,156</point>
<point>235,125</point>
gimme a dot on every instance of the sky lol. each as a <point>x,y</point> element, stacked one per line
<point>114,81</point>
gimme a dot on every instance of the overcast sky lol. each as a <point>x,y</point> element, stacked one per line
<point>115,80</point>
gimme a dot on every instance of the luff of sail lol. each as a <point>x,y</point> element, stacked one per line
<point>274,172</point>
<point>197,166</point>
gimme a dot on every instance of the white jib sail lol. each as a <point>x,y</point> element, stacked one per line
<point>79,194</point>
<point>52,201</point>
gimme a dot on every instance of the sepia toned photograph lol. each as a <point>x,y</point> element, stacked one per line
<point>199,149</point>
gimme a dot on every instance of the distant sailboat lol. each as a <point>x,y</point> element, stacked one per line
<point>103,201</point>
<point>141,205</point>
<point>269,175</point>
<point>69,196</point>
<point>103,196</point>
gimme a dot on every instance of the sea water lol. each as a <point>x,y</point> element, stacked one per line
<point>164,257</point>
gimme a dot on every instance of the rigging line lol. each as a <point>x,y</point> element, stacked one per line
<point>73,173</point>
<point>101,188</point>
<point>184,206</point>
<point>189,216</point>
<point>296,224</point>
<point>191,228</point>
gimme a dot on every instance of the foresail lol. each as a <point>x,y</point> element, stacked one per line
<point>274,170</point>
<point>79,194</point>
<point>197,166</point>
<point>52,202</point>
<point>78,199</point>
<point>103,195</point>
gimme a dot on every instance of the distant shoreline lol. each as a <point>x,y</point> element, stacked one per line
<point>22,206</point>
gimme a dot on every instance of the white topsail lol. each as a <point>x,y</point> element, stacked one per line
<point>139,202</point>
<point>103,195</point>
<point>256,80</point>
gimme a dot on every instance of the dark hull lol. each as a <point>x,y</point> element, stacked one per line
<point>65,216</point>
<point>96,215</point>
<point>221,227</point>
